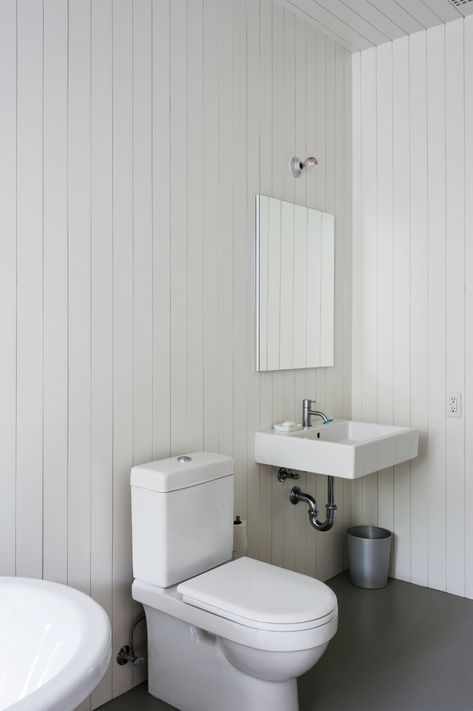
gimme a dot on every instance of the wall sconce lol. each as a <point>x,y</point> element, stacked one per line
<point>296,166</point>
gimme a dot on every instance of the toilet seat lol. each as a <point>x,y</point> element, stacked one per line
<point>280,639</point>
<point>261,596</point>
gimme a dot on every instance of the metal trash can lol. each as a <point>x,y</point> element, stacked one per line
<point>369,550</point>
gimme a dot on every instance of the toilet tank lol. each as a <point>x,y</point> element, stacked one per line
<point>182,517</point>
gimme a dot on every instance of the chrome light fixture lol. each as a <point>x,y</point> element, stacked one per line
<point>296,166</point>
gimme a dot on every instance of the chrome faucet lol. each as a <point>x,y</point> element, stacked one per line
<point>307,413</point>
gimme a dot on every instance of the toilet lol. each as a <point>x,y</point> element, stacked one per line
<point>223,635</point>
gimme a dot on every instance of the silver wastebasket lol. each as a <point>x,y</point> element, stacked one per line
<point>369,550</point>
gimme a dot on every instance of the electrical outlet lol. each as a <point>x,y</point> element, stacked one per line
<point>454,405</point>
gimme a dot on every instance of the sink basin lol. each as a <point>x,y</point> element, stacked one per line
<point>340,448</point>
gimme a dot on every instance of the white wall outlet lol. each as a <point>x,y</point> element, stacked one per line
<point>454,404</point>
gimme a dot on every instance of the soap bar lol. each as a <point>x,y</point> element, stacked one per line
<point>287,426</point>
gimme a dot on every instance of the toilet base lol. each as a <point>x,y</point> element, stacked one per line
<point>187,668</point>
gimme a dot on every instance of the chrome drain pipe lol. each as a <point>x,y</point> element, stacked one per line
<point>297,495</point>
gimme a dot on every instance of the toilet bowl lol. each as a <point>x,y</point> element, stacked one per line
<point>235,636</point>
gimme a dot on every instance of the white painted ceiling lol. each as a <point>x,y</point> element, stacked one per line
<point>360,24</point>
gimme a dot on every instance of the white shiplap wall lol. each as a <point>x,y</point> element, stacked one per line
<point>413,298</point>
<point>361,24</point>
<point>133,139</point>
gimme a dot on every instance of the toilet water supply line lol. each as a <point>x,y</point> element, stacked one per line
<point>297,495</point>
<point>127,652</point>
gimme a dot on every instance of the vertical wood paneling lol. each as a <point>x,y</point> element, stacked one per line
<point>468,64</point>
<point>142,235</point>
<point>330,189</point>
<point>101,150</point>
<point>289,520</point>
<point>369,248</point>
<point>280,378</point>
<point>385,286</point>
<point>437,521</point>
<point>8,252</point>
<point>346,167</point>
<point>265,182</point>
<point>300,193</point>
<point>29,337</point>
<point>357,347</point>
<point>322,121</point>
<point>122,181</point>
<point>402,325</point>
<point>342,334</point>
<point>424,348</point>
<point>55,405</point>
<point>142,258</point>
<point>161,229</point>
<point>225,227</point>
<point>179,225</point>
<point>195,208</point>
<point>242,281</point>
<point>129,164</point>
<point>455,298</point>
<point>211,227</point>
<point>253,379</point>
<point>79,253</point>
<point>328,376</point>
<point>301,189</point>
<point>419,304</point>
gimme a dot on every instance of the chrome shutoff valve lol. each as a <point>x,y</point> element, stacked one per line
<point>126,655</point>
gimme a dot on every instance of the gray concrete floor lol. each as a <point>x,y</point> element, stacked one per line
<point>402,647</point>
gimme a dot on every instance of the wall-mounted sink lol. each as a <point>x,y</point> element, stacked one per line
<point>340,448</point>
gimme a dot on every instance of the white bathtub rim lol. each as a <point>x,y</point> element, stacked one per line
<point>81,674</point>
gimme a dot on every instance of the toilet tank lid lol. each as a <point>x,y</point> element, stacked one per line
<point>181,471</point>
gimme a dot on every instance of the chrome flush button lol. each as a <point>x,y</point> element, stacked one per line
<point>184,458</point>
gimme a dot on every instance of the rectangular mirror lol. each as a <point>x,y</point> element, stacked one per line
<point>295,281</point>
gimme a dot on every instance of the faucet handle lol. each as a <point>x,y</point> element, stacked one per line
<point>307,402</point>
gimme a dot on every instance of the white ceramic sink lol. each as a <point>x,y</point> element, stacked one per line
<point>340,448</point>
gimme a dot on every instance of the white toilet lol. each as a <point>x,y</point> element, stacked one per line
<point>223,635</point>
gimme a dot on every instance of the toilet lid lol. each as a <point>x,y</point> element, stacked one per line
<point>261,595</point>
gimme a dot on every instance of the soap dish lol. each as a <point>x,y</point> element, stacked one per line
<point>287,428</point>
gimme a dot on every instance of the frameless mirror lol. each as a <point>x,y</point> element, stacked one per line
<point>295,277</point>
